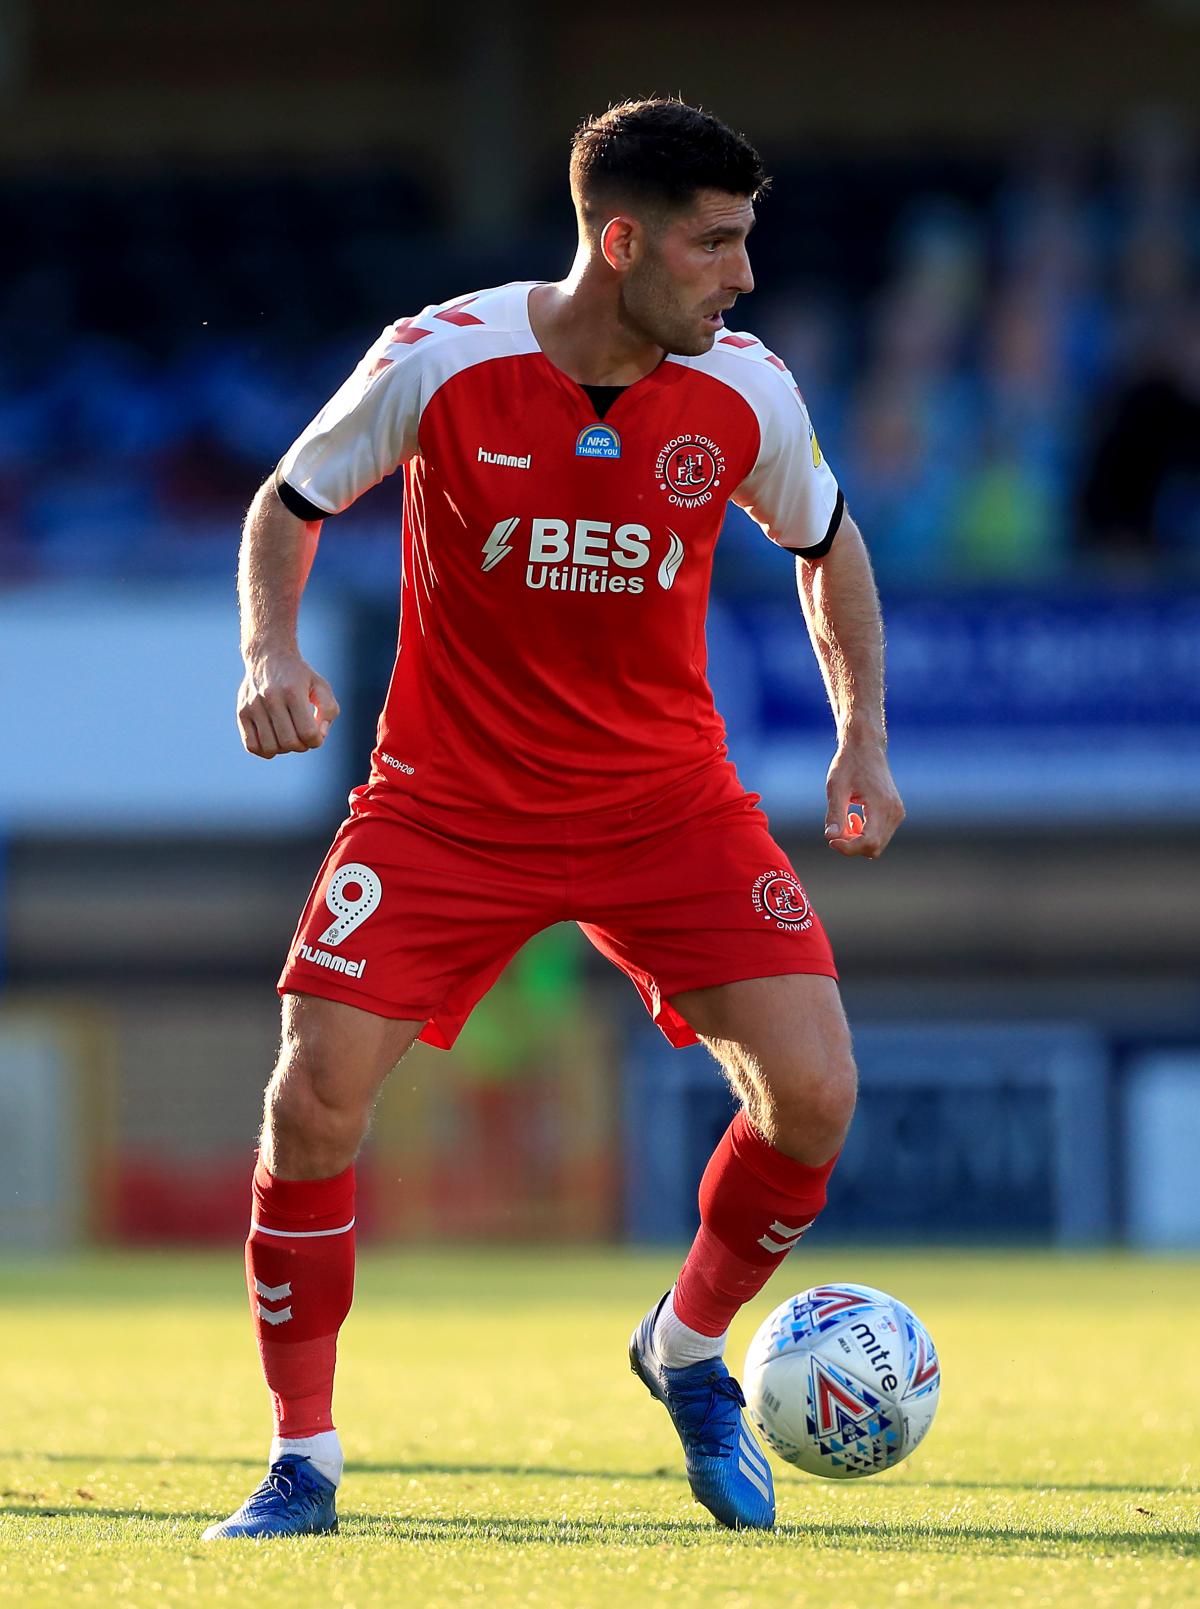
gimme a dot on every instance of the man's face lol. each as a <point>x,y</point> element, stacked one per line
<point>690,270</point>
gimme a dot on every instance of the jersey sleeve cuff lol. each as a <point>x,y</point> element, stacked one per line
<point>823,546</point>
<point>296,504</point>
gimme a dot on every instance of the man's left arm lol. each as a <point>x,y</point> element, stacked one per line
<point>841,608</point>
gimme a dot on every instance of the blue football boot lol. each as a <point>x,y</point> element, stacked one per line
<point>294,1500</point>
<point>727,1469</point>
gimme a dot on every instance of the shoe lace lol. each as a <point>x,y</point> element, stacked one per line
<point>278,1488</point>
<point>718,1400</point>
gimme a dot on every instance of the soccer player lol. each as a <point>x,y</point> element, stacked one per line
<point>549,751</point>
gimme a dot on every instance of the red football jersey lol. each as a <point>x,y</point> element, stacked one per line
<point>556,567</point>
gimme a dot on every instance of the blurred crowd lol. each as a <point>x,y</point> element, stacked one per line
<point>1009,391</point>
<point>1021,395</point>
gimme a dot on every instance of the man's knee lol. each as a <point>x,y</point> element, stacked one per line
<point>305,1100</point>
<point>319,1098</point>
<point>310,1130</point>
<point>317,1108</point>
<point>807,1091</point>
<point>812,1101</point>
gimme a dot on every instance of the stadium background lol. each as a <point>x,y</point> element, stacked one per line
<point>980,261</point>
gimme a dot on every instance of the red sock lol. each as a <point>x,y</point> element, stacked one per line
<point>755,1203</point>
<point>300,1275</point>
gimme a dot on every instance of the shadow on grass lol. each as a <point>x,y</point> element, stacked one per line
<point>646,1532</point>
<point>93,1511</point>
<point>367,1466</point>
<point>1050,1487</point>
<point>882,1537</point>
<point>362,1466</point>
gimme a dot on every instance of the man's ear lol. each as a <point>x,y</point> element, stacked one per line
<point>620,241</point>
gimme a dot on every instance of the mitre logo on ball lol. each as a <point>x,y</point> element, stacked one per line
<point>842,1381</point>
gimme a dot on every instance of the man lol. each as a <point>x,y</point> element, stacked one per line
<point>549,751</point>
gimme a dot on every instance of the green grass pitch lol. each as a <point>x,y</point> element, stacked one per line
<point>500,1452</point>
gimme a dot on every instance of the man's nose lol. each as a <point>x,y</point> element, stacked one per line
<point>742,279</point>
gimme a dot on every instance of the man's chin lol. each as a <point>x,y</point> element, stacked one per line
<point>693,345</point>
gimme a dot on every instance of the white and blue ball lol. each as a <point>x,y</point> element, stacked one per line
<point>842,1381</point>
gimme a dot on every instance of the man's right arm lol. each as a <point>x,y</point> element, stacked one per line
<point>366,430</point>
<point>284,706</point>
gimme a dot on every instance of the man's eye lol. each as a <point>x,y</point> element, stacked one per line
<point>712,245</point>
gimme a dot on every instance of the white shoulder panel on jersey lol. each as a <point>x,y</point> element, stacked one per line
<point>370,426</point>
<point>790,491</point>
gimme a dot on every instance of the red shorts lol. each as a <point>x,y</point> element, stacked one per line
<point>415,915</point>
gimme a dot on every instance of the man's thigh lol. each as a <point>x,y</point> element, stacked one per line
<point>409,921</point>
<point>703,903</point>
<point>796,1020</point>
<point>345,1053</point>
<point>785,1047</point>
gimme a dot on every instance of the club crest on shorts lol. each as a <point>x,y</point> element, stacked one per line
<point>688,469</point>
<point>778,897</point>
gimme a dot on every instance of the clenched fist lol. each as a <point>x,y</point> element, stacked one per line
<point>283,706</point>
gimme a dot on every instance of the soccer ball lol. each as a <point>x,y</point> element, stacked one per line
<point>842,1381</point>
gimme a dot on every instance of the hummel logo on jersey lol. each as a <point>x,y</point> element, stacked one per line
<point>586,556</point>
<point>506,460</point>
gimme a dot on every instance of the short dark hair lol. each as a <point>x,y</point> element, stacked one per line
<point>659,152</point>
